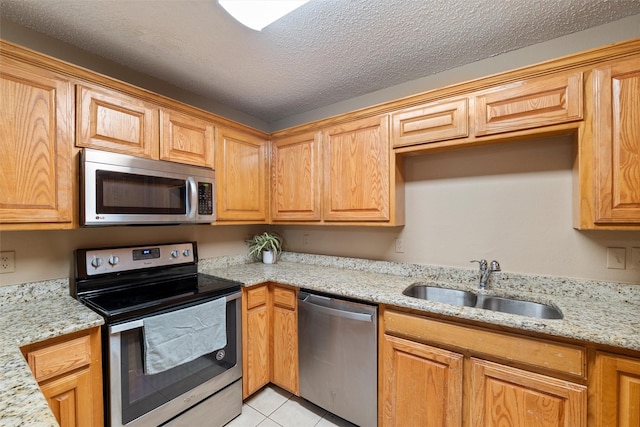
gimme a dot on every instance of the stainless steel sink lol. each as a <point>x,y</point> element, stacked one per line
<point>487,302</point>
<point>522,308</point>
<point>444,295</point>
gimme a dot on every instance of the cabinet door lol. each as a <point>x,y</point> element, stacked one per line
<point>255,339</point>
<point>36,113</point>
<point>295,185</point>
<point>421,385</point>
<point>186,139</point>
<point>616,132</point>
<point>112,121</point>
<point>435,121</point>
<point>357,170</point>
<point>285,339</point>
<point>618,391</point>
<point>69,400</point>
<point>530,103</point>
<point>505,396</point>
<point>69,372</point>
<point>241,176</point>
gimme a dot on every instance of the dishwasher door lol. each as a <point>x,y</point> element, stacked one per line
<point>338,356</point>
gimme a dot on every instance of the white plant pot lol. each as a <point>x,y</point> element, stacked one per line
<point>268,257</point>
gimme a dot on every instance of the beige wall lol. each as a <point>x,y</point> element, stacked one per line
<point>510,202</point>
<point>42,255</point>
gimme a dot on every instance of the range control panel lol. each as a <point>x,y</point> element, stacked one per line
<point>114,260</point>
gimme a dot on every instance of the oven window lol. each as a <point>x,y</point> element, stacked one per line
<point>142,393</point>
<point>125,193</point>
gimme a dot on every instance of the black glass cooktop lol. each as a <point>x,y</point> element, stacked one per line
<point>135,301</point>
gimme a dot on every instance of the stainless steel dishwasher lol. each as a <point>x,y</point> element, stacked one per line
<point>338,356</point>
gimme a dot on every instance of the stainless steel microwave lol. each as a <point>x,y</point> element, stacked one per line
<point>118,189</point>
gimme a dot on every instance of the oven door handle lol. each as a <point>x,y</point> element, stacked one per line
<point>122,327</point>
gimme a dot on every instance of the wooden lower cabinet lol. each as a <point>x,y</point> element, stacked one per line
<point>69,372</point>
<point>269,338</point>
<point>505,396</point>
<point>255,338</point>
<point>284,349</point>
<point>421,385</point>
<point>618,391</point>
<point>445,377</point>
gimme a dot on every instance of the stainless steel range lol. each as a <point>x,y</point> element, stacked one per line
<point>171,339</point>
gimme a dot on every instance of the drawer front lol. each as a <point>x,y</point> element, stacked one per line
<point>60,358</point>
<point>285,298</point>
<point>530,103</point>
<point>563,358</point>
<point>437,121</point>
<point>257,296</point>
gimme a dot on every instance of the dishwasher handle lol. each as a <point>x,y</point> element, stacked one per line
<point>352,315</point>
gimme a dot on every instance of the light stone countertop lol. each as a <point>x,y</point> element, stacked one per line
<point>598,312</point>
<point>31,313</point>
<point>595,312</point>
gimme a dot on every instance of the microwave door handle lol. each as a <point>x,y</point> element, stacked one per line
<point>192,197</point>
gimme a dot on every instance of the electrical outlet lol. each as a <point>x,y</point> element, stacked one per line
<point>617,258</point>
<point>399,246</point>
<point>305,240</point>
<point>635,258</point>
<point>7,262</point>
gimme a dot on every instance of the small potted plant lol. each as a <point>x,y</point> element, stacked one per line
<point>266,247</point>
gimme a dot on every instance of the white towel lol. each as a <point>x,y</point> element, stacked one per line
<point>181,336</point>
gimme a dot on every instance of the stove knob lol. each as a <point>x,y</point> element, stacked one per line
<point>175,254</point>
<point>113,260</point>
<point>186,252</point>
<point>96,262</point>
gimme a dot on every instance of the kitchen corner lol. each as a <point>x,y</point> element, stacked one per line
<point>597,313</point>
<point>31,313</point>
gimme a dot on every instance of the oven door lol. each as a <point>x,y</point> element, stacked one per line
<point>137,399</point>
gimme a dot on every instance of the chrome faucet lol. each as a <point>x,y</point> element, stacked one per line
<point>485,270</point>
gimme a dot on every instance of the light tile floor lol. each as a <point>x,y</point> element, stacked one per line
<point>274,407</point>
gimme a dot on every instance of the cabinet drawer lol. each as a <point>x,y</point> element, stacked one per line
<point>530,103</point>
<point>436,121</point>
<point>60,358</point>
<point>257,296</point>
<point>284,297</point>
<point>538,353</point>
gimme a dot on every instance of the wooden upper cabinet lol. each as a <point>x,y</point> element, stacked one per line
<point>241,176</point>
<point>616,142</point>
<point>296,178</point>
<point>186,139</point>
<point>113,121</point>
<point>435,121</point>
<point>357,170</point>
<point>530,103</point>
<point>36,137</point>
<point>502,395</point>
<point>618,391</point>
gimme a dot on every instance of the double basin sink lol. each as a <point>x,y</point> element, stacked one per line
<point>487,302</point>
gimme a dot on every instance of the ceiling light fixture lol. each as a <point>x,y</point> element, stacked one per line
<point>257,14</point>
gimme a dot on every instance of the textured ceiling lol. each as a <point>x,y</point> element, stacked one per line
<point>325,52</point>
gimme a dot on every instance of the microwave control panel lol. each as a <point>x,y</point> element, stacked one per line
<point>205,198</point>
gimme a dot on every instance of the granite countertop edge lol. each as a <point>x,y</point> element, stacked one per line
<point>31,313</point>
<point>595,312</point>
